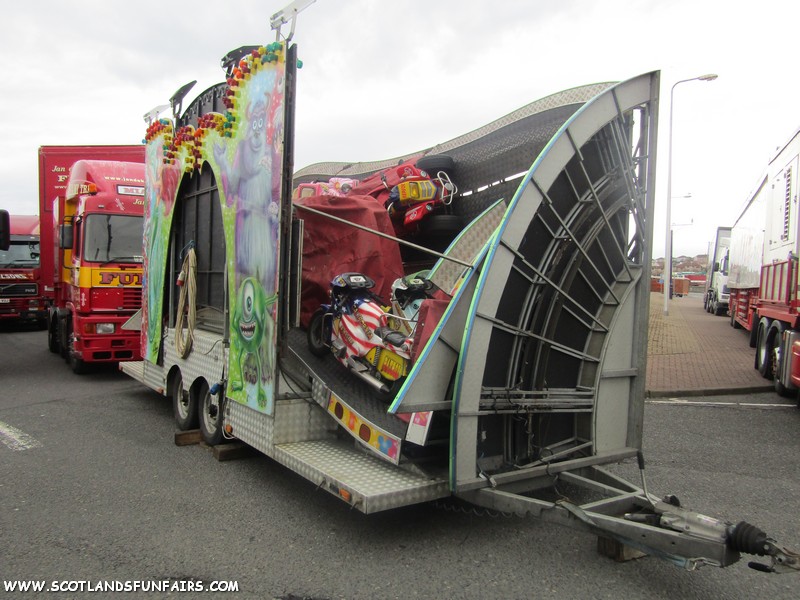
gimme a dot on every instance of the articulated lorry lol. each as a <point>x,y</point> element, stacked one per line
<point>23,273</point>
<point>763,278</point>
<point>524,365</point>
<point>91,203</point>
<point>717,294</point>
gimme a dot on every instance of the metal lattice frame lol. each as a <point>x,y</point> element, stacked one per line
<point>553,362</point>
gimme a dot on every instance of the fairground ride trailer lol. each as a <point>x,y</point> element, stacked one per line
<point>535,370</point>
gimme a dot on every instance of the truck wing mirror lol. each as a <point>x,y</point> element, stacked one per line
<point>5,230</point>
<point>716,266</point>
<point>65,237</point>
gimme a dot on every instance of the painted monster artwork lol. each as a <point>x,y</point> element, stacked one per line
<point>244,149</point>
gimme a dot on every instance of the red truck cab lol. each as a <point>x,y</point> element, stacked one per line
<point>98,271</point>
<point>21,286</point>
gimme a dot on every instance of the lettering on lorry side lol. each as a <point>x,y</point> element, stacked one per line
<point>15,276</point>
<point>122,278</point>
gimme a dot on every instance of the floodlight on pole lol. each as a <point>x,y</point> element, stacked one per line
<point>667,275</point>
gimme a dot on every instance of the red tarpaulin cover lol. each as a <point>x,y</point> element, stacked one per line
<point>330,248</point>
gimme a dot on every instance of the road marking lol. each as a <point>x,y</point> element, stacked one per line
<point>681,401</point>
<point>16,439</point>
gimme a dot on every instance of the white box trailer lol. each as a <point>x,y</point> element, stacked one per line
<point>535,370</point>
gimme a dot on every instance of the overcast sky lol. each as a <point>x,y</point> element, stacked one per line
<point>382,79</point>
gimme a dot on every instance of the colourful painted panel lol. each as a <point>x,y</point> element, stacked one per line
<point>244,149</point>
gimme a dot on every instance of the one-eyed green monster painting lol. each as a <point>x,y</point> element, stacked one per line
<point>252,320</point>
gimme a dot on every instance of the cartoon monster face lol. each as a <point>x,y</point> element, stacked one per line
<point>249,314</point>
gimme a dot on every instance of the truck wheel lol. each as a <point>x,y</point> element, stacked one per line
<point>184,404</point>
<point>764,349</point>
<point>318,335</point>
<point>64,333</point>
<point>210,416</point>
<point>719,310</point>
<point>78,365</point>
<point>734,323</point>
<point>52,337</point>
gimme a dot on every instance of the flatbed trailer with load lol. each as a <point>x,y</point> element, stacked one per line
<point>526,365</point>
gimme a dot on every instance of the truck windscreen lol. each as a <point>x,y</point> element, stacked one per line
<point>20,254</point>
<point>109,238</point>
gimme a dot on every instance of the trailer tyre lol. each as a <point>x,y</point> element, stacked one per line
<point>184,404</point>
<point>318,334</point>
<point>734,323</point>
<point>764,348</point>
<point>210,415</point>
<point>776,352</point>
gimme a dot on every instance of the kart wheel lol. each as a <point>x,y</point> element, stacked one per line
<point>441,225</point>
<point>319,334</point>
<point>436,162</point>
<point>210,416</point>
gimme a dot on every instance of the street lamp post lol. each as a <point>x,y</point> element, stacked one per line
<point>668,251</point>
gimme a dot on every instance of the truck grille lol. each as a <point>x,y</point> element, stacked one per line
<point>132,298</point>
<point>19,289</point>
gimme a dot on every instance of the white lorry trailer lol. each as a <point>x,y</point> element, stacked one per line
<point>534,370</point>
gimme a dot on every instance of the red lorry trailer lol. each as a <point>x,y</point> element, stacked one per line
<point>763,276</point>
<point>92,202</point>
<point>22,288</point>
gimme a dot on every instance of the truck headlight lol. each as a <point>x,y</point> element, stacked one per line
<point>104,328</point>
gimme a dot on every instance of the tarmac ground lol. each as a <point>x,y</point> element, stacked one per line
<point>694,353</point>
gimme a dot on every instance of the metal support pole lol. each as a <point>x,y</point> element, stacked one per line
<point>667,276</point>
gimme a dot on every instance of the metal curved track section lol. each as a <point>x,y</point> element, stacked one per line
<point>552,363</point>
<point>490,160</point>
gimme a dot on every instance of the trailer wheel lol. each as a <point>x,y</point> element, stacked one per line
<point>719,310</point>
<point>764,348</point>
<point>776,353</point>
<point>318,335</point>
<point>210,415</point>
<point>184,404</point>
<point>753,330</point>
<point>734,323</point>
